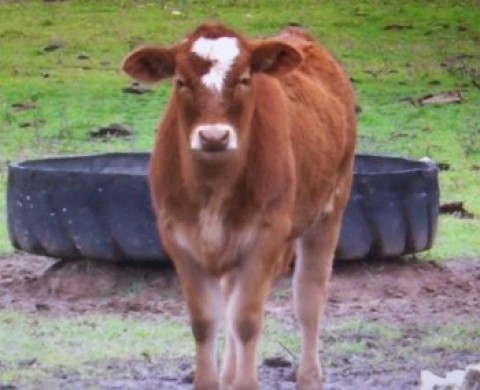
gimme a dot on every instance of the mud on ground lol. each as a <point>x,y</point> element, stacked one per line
<point>414,297</point>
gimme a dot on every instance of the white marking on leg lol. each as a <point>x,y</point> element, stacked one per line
<point>329,205</point>
<point>339,191</point>
<point>232,136</point>
<point>183,239</point>
<point>229,358</point>
<point>222,52</point>
<point>246,239</point>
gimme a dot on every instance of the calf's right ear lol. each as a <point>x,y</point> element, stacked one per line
<point>150,64</point>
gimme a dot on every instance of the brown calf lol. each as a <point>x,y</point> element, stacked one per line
<point>253,159</point>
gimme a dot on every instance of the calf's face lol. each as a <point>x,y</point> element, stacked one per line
<point>214,84</point>
<point>214,92</point>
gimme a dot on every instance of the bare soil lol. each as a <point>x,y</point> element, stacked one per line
<point>412,296</point>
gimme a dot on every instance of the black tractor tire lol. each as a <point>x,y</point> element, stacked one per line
<point>99,207</point>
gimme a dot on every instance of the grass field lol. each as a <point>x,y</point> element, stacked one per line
<point>79,347</point>
<point>394,52</point>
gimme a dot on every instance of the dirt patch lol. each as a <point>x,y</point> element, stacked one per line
<point>406,292</point>
<point>411,296</point>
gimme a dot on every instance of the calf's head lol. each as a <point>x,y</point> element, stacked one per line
<point>214,72</point>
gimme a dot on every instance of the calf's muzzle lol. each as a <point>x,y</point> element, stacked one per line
<point>214,138</point>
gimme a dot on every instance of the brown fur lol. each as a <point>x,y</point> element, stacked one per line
<point>233,222</point>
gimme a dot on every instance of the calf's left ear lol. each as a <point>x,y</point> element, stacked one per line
<point>150,64</point>
<point>274,57</point>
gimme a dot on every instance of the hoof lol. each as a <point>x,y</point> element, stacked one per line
<point>226,383</point>
<point>226,378</point>
<point>206,386</point>
<point>244,386</point>
<point>310,380</point>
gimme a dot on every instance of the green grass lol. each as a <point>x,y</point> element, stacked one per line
<point>75,96</point>
<point>73,343</point>
<point>357,342</point>
<point>380,342</point>
<point>4,240</point>
<point>454,336</point>
<point>35,348</point>
<point>456,238</point>
<point>387,66</point>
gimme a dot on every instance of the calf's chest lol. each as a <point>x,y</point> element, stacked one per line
<point>210,239</point>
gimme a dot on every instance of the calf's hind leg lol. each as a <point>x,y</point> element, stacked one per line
<point>314,258</point>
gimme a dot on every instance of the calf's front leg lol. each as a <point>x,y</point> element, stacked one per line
<point>202,294</point>
<point>250,287</point>
<point>228,369</point>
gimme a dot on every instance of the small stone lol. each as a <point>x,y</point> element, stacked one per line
<point>27,363</point>
<point>430,381</point>
<point>455,378</point>
<point>441,98</point>
<point>23,106</point>
<point>168,378</point>
<point>42,306</point>
<point>188,378</point>
<point>112,130</point>
<point>472,378</point>
<point>398,27</point>
<point>137,89</point>
<point>35,123</point>
<point>277,361</point>
<point>54,45</point>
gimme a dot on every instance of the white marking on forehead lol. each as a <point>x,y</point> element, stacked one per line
<point>222,52</point>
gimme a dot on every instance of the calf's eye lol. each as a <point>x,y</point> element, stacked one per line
<point>180,83</point>
<point>244,81</point>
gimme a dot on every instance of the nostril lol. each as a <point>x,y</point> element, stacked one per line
<point>225,137</point>
<point>203,136</point>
